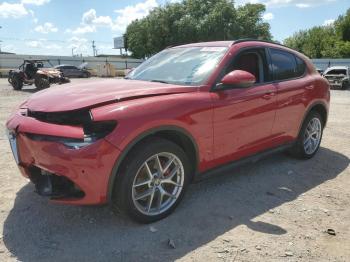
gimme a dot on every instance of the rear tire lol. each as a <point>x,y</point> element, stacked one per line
<point>140,175</point>
<point>309,138</point>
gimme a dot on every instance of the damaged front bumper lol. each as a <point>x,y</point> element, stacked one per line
<point>65,174</point>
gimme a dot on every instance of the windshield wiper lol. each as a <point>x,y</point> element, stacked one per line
<point>159,81</point>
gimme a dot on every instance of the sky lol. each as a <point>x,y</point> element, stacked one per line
<point>63,27</point>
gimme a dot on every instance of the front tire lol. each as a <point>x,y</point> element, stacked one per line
<point>16,82</point>
<point>310,137</point>
<point>41,83</point>
<point>345,85</point>
<point>152,181</point>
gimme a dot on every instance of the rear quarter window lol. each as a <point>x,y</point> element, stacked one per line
<point>301,67</point>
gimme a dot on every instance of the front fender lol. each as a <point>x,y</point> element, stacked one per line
<point>191,113</point>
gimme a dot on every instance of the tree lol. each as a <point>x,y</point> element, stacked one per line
<point>343,26</point>
<point>194,21</point>
<point>331,41</point>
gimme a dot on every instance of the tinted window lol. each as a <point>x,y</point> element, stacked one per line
<point>337,72</point>
<point>301,66</point>
<point>253,61</point>
<point>283,64</point>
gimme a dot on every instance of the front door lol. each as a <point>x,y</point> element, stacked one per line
<point>243,117</point>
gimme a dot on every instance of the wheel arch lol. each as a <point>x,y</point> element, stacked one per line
<point>321,108</point>
<point>175,134</point>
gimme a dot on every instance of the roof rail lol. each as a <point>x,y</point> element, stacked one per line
<point>257,40</point>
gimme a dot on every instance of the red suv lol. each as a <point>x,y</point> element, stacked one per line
<point>138,142</point>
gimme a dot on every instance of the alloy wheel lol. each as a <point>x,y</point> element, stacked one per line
<point>158,183</point>
<point>312,136</point>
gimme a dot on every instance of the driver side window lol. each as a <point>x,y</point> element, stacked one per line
<point>253,61</point>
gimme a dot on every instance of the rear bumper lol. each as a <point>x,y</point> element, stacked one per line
<point>89,168</point>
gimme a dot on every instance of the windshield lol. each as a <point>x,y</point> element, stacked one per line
<point>182,65</point>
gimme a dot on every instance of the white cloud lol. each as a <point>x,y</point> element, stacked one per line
<point>34,44</point>
<point>80,45</point>
<point>35,2</point>
<point>43,44</point>
<point>8,10</point>
<point>9,48</point>
<point>80,30</point>
<point>268,16</point>
<point>130,13</point>
<point>89,22</point>
<point>301,5</point>
<point>328,22</point>
<point>46,28</point>
<point>90,18</point>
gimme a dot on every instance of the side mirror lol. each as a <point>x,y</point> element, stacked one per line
<point>236,79</point>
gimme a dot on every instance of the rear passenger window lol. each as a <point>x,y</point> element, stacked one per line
<point>301,67</point>
<point>283,64</point>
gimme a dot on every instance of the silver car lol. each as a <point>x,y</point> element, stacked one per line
<point>73,71</point>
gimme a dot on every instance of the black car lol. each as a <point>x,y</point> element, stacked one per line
<point>73,71</point>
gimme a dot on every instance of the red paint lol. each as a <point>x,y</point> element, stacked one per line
<point>226,125</point>
<point>238,77</point>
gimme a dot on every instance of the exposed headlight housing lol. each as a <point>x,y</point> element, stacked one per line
<point>93,131</point>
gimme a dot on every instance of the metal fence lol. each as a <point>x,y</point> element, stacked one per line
<point>8,61</point>
<point>325,63</point>
<point>13,61</point>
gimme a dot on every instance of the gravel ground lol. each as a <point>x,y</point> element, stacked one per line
<point>277,209</point>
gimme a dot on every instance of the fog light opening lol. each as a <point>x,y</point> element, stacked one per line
<point>51,185</point>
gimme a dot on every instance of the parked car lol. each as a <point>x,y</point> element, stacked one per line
<point>33,72</point>
<point>320,71</point>
<point>138,142</point>
<point>338,77</point>
<point>73,71</point>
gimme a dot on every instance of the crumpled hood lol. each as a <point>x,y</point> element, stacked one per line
<point>69,97</point>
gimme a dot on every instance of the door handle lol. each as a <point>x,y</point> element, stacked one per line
<point>309,87</point>
<point>268,95</point>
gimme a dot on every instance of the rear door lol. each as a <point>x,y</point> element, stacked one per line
<point>75,71</point>
<point>293,85</point>
<point>243,117</point>
<point>65,70</point>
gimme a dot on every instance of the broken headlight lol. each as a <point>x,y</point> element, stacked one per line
<point>92,132</point>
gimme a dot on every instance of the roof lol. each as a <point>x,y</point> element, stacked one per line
<point>337,68</point>
<point>205,44</point>
<point>63,65</point>
<point>230,43</point>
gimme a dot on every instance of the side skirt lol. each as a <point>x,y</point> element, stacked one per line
<point>246,160</point>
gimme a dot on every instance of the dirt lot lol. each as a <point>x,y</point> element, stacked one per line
<point>275,210</point>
